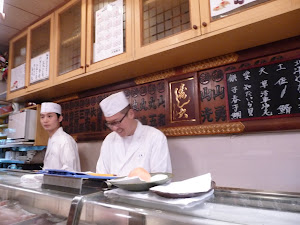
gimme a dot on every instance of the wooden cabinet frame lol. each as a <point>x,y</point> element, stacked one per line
<point>263,23</point>
<point>59,78</point>
<point>44,83</point>
<point>22,91</point>
<point>121,58</point>
<point>41,136</point>
<point>168,42</point>
<point>244,16</point>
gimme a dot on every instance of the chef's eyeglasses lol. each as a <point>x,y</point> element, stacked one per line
<point>116,123</point>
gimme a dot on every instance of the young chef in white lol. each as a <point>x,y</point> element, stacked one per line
<point>62,151</point>
<point>131,145</point>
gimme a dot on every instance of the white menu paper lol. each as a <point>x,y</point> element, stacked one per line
<point>17,77</point>
<point>219,7</point>
<point>39,68</point>
<point>109,31</point>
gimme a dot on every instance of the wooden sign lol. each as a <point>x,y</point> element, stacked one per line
<point>210,97</point>
<point>182,100</point>
<point>85,116</point>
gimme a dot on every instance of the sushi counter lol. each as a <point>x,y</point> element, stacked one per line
<point>26,201</point>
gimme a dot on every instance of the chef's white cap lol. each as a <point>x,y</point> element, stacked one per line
<point>48,107</point>
<point>113,104</point>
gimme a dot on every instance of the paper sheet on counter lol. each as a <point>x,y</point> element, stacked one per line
<point>199,184</point>
<point>151,197</point>
<point>193,185</point>
<point>32,180</point>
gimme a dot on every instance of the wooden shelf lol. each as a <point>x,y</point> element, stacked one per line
<point>4,115</point>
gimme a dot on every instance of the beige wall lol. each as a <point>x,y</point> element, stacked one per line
<point>265,161</point>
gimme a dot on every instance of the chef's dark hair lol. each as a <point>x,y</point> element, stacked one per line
<point>58,115</point>
<point>125,110</point>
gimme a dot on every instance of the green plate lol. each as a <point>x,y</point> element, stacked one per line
<point>135,184</point>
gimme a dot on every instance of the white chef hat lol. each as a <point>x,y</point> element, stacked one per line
<point>48,107</point>
<point>113,104</point>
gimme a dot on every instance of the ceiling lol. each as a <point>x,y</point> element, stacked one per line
<point>21,13</point>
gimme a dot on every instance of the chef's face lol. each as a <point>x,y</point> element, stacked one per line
<point>121,123</point>
<point>50,121</point>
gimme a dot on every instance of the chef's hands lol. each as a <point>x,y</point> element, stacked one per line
<point>141,173</point>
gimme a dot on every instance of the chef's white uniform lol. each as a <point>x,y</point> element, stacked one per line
<point>148,148</point>
<point>62,152</point>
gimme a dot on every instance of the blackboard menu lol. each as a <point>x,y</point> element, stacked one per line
<point>266,91</point>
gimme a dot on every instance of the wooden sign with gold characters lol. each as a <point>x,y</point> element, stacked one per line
<point>149,103</point>
<point>183,105</point>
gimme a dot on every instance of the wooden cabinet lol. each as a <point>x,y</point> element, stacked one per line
<point>41,136</point>
<point>163,24</point>
<point>158,35</point>
<point>31,54</point>
<point>41,54</point>
<point>109,42</point>
<point>245,15</point>
<point>17,66</point>
<point>70,25</point>
<point>76,39</point>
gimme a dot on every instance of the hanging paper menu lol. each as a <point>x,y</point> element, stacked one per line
<point>39,68</point>
<point>17,77</point>
<point>109,31</point>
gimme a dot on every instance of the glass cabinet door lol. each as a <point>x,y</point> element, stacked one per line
<point>163,23</point>
<point>109,32</point>
<point>70,34</point>
<point>41,53</point>
<point>17,67</point>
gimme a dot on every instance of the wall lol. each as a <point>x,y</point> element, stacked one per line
<point>264,161</point>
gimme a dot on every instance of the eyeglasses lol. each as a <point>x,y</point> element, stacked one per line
<point>116,123</point>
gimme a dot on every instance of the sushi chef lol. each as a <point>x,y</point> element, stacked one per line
<point>130,145</point>
<point>62,150</point>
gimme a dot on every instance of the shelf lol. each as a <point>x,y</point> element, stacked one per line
<point>3,125</point>
<point>11,161</point>
<point>4,115</point>
<point>17,144</point>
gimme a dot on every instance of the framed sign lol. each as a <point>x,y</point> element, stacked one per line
<point>265,91</point>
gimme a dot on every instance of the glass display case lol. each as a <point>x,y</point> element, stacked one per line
<point>22,201</point>
<point>225,206</point>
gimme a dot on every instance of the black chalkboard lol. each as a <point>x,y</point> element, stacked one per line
<point>265,91</point>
